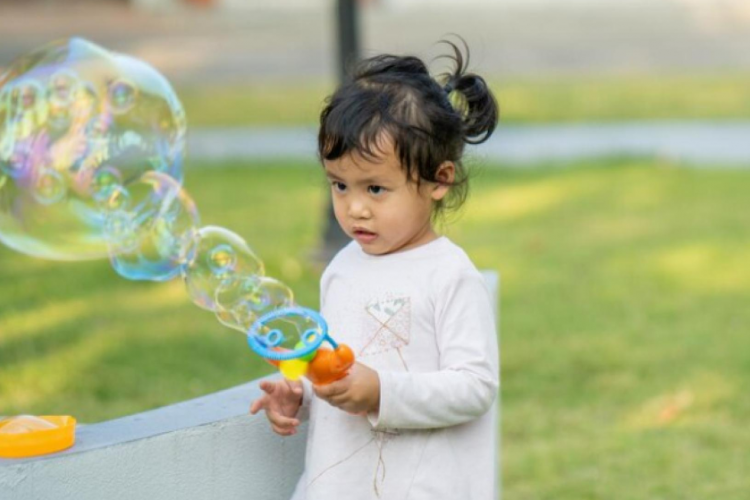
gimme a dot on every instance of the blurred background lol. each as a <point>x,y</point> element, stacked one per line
<point>613,201</point>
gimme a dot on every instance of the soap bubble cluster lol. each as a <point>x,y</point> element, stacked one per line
<point>79,126</point>
<point>91,150</point>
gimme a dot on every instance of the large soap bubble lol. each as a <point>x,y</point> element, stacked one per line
<point>241,300</point>
<point>91,149</point>
<point>78,126</point>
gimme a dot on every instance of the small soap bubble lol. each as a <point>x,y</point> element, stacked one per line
<point>50,187</point>
<point>220,256</point>
<point>243,299</point>
<point>222,259</point>
<point>122,96</point>
<point>154,238</point>
<point>102,181</point>
<point>120,231</point>
<point>62,88</point>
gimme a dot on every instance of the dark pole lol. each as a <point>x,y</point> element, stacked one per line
<point>348,36</point>
<point>347,21</point>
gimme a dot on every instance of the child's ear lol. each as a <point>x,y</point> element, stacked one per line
<point>444,177</point>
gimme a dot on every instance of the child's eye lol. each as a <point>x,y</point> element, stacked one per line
<point>339,187</point>
<point>376,190</point>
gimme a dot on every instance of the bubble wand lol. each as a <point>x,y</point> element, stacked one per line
<point>321,365</point>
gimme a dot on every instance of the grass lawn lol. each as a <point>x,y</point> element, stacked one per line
<point>565,99</point>
<point>625,349</point>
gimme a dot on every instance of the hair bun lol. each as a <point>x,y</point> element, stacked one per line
<point>477,105</point>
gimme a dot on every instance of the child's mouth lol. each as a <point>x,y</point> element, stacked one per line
<point>364,236</point>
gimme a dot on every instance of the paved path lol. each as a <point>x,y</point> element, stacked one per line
<point>510,37</point>
<point>712,143</point>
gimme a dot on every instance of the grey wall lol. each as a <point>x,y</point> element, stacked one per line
<point>200,449</point>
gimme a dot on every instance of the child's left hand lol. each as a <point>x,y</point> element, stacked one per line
<point>358,393</point>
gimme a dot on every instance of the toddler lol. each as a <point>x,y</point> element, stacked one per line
<point>414,418</point>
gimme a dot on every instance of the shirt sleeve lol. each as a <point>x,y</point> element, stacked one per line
<point>466,384</point>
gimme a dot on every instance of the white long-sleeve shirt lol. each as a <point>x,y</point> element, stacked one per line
<point>423,319</point>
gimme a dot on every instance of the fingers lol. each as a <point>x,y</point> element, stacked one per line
<point>343,402</point>
<point>330,390</point>
<point>268,387</point>
<point>274,404</point>
<point>337,394</point>
<point>295,386</point>
<point>263,402</point>
<point>348,406</point>
<point>352,394</point>
<point>281,421</point>
<point>281,425</point>
<point>281,387</point>
<point>284,431</point>
<point>284,426</point>
<point>258,405</point>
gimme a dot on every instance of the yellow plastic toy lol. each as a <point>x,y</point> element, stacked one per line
<point>29,436</point>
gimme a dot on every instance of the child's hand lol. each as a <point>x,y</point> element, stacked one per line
<point>281,402</point>
<point>358,393</point>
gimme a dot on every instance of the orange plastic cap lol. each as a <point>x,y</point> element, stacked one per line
<point>29,436</point>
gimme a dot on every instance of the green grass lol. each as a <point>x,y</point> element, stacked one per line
<point>624,329</point>
<point>624,337</point>
<point>564,99</point>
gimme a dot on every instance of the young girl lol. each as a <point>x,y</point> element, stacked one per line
<point>414,419</point>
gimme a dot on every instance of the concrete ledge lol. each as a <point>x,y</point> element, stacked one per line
<point>205,448</point>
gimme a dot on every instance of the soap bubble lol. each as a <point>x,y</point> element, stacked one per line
<point>153,239</point>
<point>219,256</point>
<point>49,187</point>
<point>243,299</point>
<point>78,126</point>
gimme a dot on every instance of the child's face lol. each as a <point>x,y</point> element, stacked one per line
<point>378,206</point>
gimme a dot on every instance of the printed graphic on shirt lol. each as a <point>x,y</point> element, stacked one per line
<point>387,325</point>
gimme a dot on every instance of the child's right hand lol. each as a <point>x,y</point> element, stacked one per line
<point>281,402</point>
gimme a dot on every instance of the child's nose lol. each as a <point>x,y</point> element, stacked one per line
<point>359,210</point>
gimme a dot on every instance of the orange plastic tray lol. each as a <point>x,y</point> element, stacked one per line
<point>38,442</point>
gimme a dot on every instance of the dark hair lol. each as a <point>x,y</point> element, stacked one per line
<point>429,119</point>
